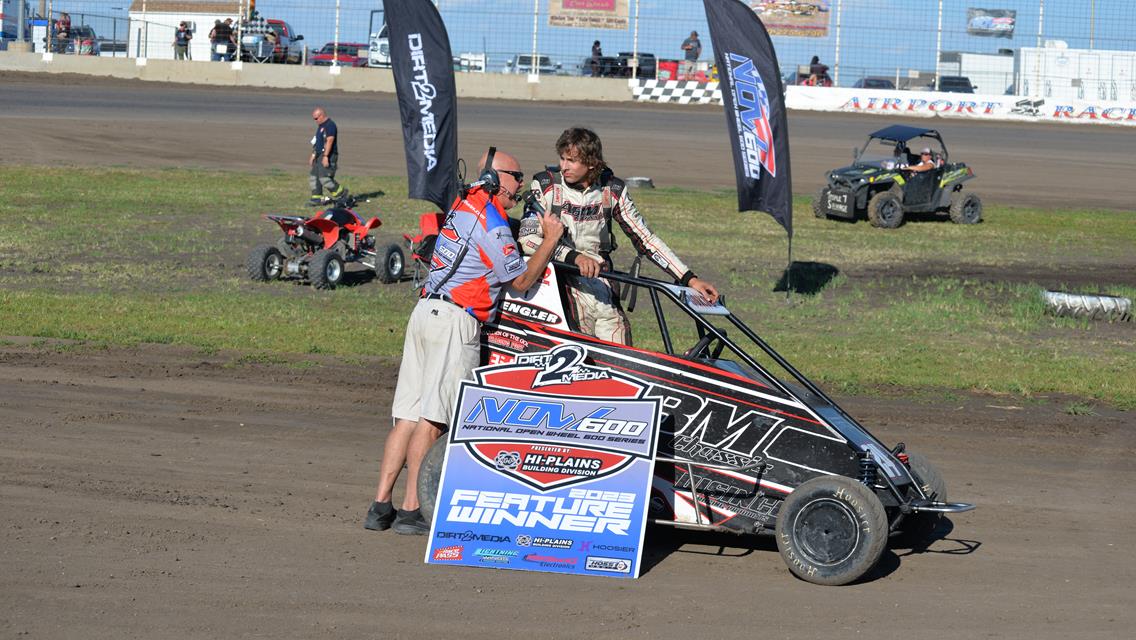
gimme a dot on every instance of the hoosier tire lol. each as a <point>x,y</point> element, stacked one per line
<point>966,208</point>
<point>325,271</point>
<point>820,202</point>
<point>430,478</point>
<point>265,263</point>
<point>885,210</point>
<point>831,530</point>
<point>391,265</point>
<point>918,529</point>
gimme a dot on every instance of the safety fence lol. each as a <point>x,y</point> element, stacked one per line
<point>1057,49</point>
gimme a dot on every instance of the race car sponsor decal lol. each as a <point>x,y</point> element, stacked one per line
<point>545,450</point>
<point>530,312</point>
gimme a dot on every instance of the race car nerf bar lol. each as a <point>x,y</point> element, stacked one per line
<point>914,505</point>
<point>694,494</point>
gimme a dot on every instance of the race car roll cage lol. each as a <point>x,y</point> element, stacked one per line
<point>871,471</point>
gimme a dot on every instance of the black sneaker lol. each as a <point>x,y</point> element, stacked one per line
<point>411,523</point>
<point>379,516</point>
<point>315,203</point>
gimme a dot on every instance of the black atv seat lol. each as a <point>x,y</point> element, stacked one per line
<point>340,216</point>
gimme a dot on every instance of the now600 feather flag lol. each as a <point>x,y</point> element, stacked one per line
<point>755,109</point>
<point>427,101</point>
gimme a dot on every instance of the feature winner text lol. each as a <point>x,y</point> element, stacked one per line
<point>584,510</point>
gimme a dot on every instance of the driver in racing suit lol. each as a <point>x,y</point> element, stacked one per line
<point>588,197</point>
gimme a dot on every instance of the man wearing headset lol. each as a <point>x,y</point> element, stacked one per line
<point>474,257</point>
<point>587,198</point>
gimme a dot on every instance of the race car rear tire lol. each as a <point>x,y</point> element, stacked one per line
<point>820,202</point>
<point>265,263</point>
<point>430,478</point>
<point>966,208</point>
<point>918,529</point>
<point>885,210</point>
<point>391,265</point>
<point>831,530</point>
<point>325,271</point>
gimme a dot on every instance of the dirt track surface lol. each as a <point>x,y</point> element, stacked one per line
<point>54,119</point>
<point>162,493</point>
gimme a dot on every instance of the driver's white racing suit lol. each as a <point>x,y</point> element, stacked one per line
<point>587,215</point>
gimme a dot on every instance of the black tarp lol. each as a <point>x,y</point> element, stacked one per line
<point>427,101</point>
<point>755,109</point>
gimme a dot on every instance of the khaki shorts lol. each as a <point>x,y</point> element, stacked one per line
<point>441,349</point>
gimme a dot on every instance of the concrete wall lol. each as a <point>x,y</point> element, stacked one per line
<point>469,85</point>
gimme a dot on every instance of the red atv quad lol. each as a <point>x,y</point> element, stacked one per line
<point>317,248</point>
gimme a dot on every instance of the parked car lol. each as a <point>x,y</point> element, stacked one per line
<point>83,41</point>
<point>350,54</point>
<point>647,64</point>
<point>873,83</point>
<point>523,63</point>
<point>606,67</point>
<point>379,51</point>
<point>955,84</point>
<point>257,46</point>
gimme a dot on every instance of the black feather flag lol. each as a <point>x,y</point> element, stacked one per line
<point>750,81</point>
<point>427,100</point>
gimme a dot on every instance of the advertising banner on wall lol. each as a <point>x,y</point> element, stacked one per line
<point>791,18</point>
<point>588,14</point>
<point>998,23</point>
<point>548,468</point>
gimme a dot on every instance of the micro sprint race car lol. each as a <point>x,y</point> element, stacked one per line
<point>739,449</point>
<point>317,248</point>
<point>876,183</point>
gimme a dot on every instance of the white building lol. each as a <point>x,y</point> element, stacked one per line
<point>154,22</point>
<point>1058,72</point>
<point>990,73</point>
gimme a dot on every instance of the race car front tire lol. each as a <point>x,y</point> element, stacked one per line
<point>831,530</point>
<point>885,210</point>
<point>919,529</point>
<point>430,478</point>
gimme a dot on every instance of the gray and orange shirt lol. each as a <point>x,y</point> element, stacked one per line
<point>474,256</point>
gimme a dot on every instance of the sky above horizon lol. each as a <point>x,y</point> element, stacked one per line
<point>876,37</point>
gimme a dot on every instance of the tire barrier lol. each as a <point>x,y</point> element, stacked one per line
<point>1094,307</point>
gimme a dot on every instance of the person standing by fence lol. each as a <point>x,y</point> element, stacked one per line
<point>692,50</point>
<point>181,42</point>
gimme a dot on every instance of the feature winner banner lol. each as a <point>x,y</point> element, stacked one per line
<point>755,109</point>
<point>548,468</point>
<point>427,100</point>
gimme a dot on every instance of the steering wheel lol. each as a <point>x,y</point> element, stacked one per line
<point>699,348</point>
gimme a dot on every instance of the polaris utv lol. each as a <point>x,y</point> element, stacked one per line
<point>879,184</point>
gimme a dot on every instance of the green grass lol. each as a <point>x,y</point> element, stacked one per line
<point>121,256</point>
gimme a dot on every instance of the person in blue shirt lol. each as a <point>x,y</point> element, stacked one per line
<point>324,160</point>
